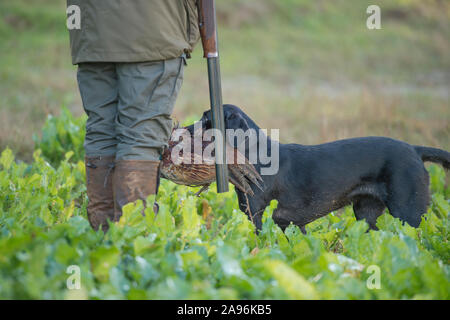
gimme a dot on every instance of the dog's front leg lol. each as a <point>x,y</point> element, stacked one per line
<point>283,217</point>
<point>253,207</point>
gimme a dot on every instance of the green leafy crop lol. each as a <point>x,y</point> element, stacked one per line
<point>200,247</point>
<point>60,135</point>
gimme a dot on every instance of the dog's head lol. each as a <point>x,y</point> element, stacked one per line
<point>234,118</point>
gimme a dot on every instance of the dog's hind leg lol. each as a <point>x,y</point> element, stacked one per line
<point>369,209</point>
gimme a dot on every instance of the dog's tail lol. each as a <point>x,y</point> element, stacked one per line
<point>434,155</point>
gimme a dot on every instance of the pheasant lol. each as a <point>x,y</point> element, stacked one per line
<point>182,168</point>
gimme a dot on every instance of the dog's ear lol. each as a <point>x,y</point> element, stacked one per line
<point>234,120</point>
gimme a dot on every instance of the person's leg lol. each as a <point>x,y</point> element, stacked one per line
<point>99,92</point>
<point>147,94</point>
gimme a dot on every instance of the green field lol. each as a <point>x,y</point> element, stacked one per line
<point>308,67</point>
<point>201,247</point>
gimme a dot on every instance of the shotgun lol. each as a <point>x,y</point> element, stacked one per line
<point>208,33</point>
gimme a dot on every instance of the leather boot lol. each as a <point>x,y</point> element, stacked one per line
<point>134,180</point>
<point>99,175</point>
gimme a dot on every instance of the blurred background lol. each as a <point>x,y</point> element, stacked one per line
<point>308,67</point>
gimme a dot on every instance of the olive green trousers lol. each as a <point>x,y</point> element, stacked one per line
<point>129,107</point>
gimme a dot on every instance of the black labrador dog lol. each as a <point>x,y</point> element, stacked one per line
<point>371,173</point>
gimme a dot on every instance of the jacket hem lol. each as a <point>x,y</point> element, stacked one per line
<point>124,56</point>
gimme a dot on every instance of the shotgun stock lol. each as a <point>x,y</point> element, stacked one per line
<point>208,33</point>
<point>208,28</point>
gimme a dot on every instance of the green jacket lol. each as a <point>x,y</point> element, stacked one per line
<point>133,30</point>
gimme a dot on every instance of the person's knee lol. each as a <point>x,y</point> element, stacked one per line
<point>100,138</point>
<point>145,141</point>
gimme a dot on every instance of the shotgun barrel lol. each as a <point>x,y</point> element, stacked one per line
<point>208,32</point>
